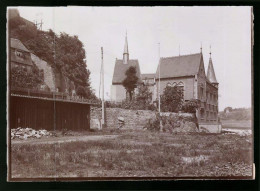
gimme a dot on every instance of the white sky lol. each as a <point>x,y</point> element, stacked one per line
<point>226,29</point>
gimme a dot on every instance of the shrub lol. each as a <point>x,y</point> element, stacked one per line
<point>190,106</point>
<point>172,99</point>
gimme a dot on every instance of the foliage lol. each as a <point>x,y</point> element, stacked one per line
<point>130,82</point>
<point>65,53</point>
<point>172,99</point>
<point>143,96</point>
<point>127,104</point>
<point>190,106</point>
<point>168,122</point>
<point>20,77</point>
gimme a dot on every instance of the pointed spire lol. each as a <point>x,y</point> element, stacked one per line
<point>126,45</point>
<point>200,47</point>
<point>126,53</point>
<point>211,73</point>
<point>210,51</point>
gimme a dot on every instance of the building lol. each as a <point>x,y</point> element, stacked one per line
<point>118,92</point>
<point>188,72</point>
<point>48,111</point>
<point>20,55</point>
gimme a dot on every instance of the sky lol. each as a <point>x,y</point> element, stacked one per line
<point>178,30</point>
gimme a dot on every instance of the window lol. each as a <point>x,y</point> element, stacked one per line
<point>202,113</point>
<point>19,54</point>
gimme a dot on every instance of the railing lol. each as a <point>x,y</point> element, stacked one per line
<point>47,94</point>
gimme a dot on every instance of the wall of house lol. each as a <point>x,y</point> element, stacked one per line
<point>188,86</point>
<point>118,93</point>
<point>49,76</point>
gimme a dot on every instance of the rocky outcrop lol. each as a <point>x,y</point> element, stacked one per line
<point>49,75</point>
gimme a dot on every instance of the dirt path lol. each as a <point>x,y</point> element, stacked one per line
<point>65,139</point>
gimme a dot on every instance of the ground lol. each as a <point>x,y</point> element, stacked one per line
<point>133,153</point>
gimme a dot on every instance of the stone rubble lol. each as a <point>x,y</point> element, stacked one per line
<point>25,133</point>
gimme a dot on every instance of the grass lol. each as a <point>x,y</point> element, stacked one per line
<point>236,124</point>
<point>137,154</point>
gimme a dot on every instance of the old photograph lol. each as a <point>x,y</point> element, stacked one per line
<point>129,93</point>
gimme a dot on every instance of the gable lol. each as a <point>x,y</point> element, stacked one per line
<point>120,69</point>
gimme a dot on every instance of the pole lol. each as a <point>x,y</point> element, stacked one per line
<point>103,105</point>
<point>161,128</point>
<point>159,80</point>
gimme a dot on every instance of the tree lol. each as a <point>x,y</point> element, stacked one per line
<point>65,53</point>
<point>172,99</point>
<point>144,96</point>
<point>130,82</point>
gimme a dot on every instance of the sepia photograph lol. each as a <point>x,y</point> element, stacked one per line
<point>130,93</point>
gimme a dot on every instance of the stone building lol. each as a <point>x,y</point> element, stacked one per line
<point>118,92</point>
<point>188,72</point>
<point>20,55</point>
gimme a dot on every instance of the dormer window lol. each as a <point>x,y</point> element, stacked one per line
<point>19,54</point>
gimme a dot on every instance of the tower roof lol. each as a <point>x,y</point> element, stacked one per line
<point>211,73</point>
<point>126,45</point>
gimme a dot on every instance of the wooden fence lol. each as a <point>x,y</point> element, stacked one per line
<point>49,114</point>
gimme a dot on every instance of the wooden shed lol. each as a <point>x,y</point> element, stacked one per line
<point>48,113</point>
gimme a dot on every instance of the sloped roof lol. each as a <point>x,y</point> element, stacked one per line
<point>126,46</point>
<point>147,76</point>
<point>185,65</point>
<point>211,73</point>
<point>17,44</point>
<point>120,69</point>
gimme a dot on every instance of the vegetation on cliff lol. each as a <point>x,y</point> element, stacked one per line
<point>65,53</point>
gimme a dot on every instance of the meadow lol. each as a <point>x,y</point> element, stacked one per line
<point>136,153</point>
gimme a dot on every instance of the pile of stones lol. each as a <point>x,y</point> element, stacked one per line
<point>25,133</point>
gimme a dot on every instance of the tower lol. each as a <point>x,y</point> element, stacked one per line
<point>211,73</point>
<point>126,53</point>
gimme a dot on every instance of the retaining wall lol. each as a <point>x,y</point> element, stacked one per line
<point>133,118</point>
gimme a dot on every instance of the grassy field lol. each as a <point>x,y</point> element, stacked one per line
<point>236,124</point>
<point>136,154</point>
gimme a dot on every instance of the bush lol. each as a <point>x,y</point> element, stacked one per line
<point>190,106</point>
<point>127,104</point>
<point>168,122</point>
<point>172,99</point>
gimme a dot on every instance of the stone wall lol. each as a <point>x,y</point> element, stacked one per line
<point>49,76</point>
<point>133,118</point>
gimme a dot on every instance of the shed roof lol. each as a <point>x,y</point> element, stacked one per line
<point>120,69</point>
<point>17,44</point>
<point>147,76</point>
<point>177,66</point>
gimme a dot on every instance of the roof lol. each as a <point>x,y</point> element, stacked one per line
<point>185,65</point>
<point>120,69</point>
<point>17,44</point>
<point>126,46</point>
<point>53,99</point>
<point>147,76</point>
<point>211,73</point>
